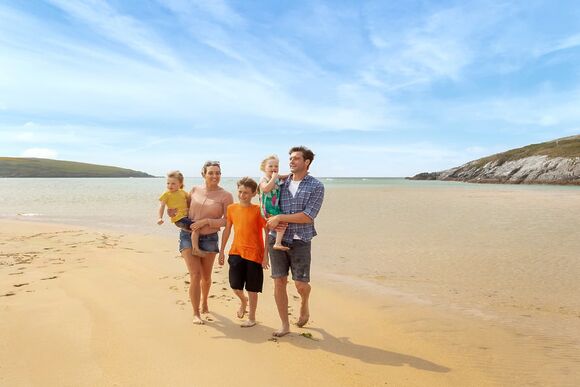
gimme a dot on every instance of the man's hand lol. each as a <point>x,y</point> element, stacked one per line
<point>266,263</point>
<point>273,222</point>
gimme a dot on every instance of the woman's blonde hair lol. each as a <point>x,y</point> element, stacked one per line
<point>265,161</point>
<point>176,175</point>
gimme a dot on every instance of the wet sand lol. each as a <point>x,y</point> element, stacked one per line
<point>412,287</point>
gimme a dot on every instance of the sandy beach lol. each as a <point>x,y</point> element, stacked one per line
<point>428,287</point>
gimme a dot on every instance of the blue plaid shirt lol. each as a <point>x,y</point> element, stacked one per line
<point>308,199</point>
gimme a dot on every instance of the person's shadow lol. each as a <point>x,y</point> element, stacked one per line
<point>329,343</point>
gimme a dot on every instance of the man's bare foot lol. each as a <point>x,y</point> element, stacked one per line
<point>304,316</point>
<point>242,311</point>
<point>281,247</point>
<point>281,332</point>
<point>197,320</point>
<point>248,324</point>
<point>302,321</point>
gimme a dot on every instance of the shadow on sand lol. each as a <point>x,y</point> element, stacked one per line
<point>339,345</point>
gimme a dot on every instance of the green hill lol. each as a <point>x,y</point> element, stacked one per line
<point>562,147</point>
<point>33,167</point>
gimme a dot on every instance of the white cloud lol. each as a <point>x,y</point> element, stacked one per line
<point>43,153</point>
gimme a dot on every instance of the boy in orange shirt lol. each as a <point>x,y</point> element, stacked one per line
<point>248,255</point>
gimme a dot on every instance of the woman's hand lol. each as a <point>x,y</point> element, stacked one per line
<point>199,224</point>
<point>221,258</point>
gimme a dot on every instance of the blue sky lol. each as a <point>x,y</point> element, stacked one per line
<point>375,88</point>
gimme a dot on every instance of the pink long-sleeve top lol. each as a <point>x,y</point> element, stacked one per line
<point>211,205</point>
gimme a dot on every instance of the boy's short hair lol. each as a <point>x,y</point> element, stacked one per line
<point>265,161</point>
<point>248,182</point>
<point>176,175</point>
<point>306,153</point>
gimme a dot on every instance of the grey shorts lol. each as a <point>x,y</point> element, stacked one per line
<point>297,260</point>
<point>206,242</point>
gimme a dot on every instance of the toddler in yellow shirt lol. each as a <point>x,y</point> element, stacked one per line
<point>177,199</point>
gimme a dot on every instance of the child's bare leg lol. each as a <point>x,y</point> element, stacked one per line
<point>278,244</point>
<point>253,296</point>
<point>243,302</point>
<point>195,244</point>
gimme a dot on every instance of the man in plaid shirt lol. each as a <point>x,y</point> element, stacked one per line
<point>301,197</point>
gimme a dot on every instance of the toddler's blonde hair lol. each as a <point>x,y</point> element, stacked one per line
<point>176,175</point>
<point>263,163</point>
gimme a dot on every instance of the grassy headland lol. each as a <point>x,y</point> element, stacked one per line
<point>35,167</point>
<point>562,147</point>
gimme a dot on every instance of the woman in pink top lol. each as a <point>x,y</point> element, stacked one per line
<point>208,208</point>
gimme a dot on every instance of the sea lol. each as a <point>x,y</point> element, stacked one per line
<point>131,204</point>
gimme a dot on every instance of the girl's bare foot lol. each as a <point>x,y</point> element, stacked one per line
<point>281,247</point>
<point>197,320</point>
<point>248,324</point>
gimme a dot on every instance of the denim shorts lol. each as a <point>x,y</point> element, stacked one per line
<point>206,242</point>
<point>297,260</point>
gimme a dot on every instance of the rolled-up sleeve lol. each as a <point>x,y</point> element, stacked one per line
<point>314,204</point>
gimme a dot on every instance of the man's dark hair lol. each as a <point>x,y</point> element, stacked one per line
<point>248,182</point>
<point>307,154</point>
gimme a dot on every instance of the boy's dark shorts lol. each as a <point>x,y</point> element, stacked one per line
<point>245,272</point>
<point>297,259</point>
<point>207,242</point>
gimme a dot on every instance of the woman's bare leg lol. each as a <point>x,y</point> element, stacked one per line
<point>206,268</point>
<point>194,267</point>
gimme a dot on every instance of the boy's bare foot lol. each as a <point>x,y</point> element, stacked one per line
<point>248,324</point>
<point>281,332</point>
<point>242,311</point>
<point>281,247</point>
<point>197,320</point>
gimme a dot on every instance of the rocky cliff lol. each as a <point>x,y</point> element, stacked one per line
<point>553,162</point>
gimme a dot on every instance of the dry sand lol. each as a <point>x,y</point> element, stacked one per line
<point>99,308</point>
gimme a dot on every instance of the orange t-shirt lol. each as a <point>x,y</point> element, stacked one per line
<point>248,231</point>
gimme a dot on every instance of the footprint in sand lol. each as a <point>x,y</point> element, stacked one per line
<point>22,284</point>
<point>173,288</point>
<point>180,302</point>
<point>49,278</point>
<point>8,294</point>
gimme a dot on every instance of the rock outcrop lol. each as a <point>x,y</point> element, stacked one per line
<point>511,168</point>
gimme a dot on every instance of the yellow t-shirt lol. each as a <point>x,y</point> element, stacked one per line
<point>248,228</point>
<point>177,200</point>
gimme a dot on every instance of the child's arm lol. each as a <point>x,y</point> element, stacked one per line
<point>267,186</point>
<point>266,260</point>
<point>225,237</point>
<point>160,214</point>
